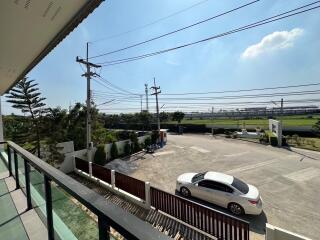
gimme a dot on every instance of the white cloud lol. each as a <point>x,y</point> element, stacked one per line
<point>273,42</point>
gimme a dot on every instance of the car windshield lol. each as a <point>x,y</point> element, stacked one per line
<point>198,177</point>
<point>240,185</point>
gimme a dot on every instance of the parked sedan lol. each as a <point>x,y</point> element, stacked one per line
<point>223,190</point>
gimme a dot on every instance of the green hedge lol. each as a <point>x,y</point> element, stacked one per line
<point>273,140</point>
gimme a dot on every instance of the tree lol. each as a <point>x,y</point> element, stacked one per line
<point>114,151</point>
<point>26,97</point>
<point>164,117</point>
<point>178,116</point>
<point>100,155</point>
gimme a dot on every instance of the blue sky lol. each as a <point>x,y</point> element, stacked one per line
<point>278,54</point>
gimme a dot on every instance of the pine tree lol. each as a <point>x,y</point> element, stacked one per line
<point>26,97</point>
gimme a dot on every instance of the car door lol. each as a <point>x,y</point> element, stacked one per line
<point>215,192</point>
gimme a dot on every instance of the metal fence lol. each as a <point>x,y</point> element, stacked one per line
<point>131,185</point>
<point>82,165</point>
<point>215,223</point>
<point>101,172</point>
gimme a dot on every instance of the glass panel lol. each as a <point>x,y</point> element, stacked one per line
<point>12,163</point>
<point>71,219</point>
<point>38,193</point>
<point>21,173</point>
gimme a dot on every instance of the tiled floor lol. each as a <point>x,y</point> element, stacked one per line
<point>15,221</point>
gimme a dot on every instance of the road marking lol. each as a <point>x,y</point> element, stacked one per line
<point>163,153</point>
<point>304,174</point>
<point>235,154</point>
<point>249,167</point>
<point>202,150</point>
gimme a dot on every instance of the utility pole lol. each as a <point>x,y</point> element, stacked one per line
<point>156,92</point>
<point>141,103</point>
<point>212,131</point>
<point>88,75</point>
<point>147,103</point>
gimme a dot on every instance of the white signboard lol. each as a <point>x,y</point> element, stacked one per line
<point>275,126</point>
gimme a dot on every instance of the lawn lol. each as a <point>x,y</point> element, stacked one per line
<point>287,121</point>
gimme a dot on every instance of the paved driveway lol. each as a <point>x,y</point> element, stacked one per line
<point>288,180</point>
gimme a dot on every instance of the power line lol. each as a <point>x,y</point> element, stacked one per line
<point>249,26</point>
<point>223,91</point>
<point>266,95</point>
<point>115,86</point>
<point>245,90</point>
<point>151,23</point>
<point>107,86</point>
<point>176,31</point>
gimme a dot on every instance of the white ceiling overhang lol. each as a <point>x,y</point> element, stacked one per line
<point>30,29</point>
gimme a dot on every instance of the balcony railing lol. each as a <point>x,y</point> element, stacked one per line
<point>31,173</point>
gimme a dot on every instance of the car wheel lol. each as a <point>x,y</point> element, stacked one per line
<point>236,209</point>
<point>185,192</point>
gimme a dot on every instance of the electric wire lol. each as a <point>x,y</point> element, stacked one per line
<point>246,27</point>
<point>175,31</point>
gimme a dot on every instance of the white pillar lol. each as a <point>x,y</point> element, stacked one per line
<point>148,197</point>
<point>113,178</point>
<point>90,169</point>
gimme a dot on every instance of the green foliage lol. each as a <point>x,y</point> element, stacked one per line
<point>316,128</point>
<point>147,142</point>
<point>264,138</point>
<point>154,137</point>
<point>164,117</point>
<point>100,155</point>
<point>273,140</point>
<point>102,136</point>
<point>177,116</point>
<point>127,148</point>
<point>114,151</point>
<point>26,97</point>
<point>135,146</point>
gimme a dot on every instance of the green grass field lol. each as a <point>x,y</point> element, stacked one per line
<point>287,121</point>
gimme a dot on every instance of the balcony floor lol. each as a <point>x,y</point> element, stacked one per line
<point>15,221</point>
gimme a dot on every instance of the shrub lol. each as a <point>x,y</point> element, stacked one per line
<point>100,155</point>
<point>155,136</point>
<point>114,151</point>
<point>273,141</point>
<point>147,142</point>
<point>264,138</point>
<point>127,148</point>
<point>284,142</point>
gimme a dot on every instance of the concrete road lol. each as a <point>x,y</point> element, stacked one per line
<point>288,180</point>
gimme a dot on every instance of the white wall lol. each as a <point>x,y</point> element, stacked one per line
<point>275,233</point>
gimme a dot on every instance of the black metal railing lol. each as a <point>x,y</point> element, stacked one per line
<point>109,214</point>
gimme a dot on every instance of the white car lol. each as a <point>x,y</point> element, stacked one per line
<point>223,190</point>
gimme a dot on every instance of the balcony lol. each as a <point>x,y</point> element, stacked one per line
<point>38,201</point>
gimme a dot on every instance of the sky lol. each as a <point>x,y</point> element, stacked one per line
<point>282,53</point>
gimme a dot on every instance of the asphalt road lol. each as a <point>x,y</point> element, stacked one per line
<point>288,180</point>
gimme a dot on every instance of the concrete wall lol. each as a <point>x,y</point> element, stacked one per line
<point>276,233</point>
<point>67,165</point>
<point>121,145</point>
